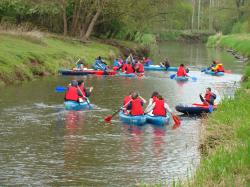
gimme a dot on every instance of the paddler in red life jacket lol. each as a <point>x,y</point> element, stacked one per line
<point>159,107</point>
<point>72,93</point>
<point>85,92</point>
<point>135,106</point>
<point>152,99</point>
<point>181,72</point>
<point>209,97</point>
<point>129,68</point>
<point>139,68</point>
<point>218,66</point>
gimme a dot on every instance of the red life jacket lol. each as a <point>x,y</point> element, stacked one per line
<point>71,94</point>
<point>129,69</point>
<point>159,109</point>
<point>136,109</point>
<point>82,91</point>
<point>124,67</point>
<point>154,99</point>
<point>181,72</point>
<point>141,68</point>
<point>126,99</point>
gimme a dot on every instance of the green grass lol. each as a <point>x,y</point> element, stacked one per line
<point>238,42</point>
<point>23,56</point>
<point>226,146</point>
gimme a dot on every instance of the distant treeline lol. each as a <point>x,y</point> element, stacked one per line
<point>138,20</point>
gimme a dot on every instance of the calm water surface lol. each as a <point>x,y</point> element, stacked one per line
<point>41,144</point>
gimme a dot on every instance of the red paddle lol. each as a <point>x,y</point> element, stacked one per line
<point>176,119</point>
<point>109,117</point>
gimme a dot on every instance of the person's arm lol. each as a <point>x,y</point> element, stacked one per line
<point>143,100</point>
<point>129,106</point>
<point>79,92</point>
<point>149,108</point>
<point>167,108</point>
<point>88,91</point>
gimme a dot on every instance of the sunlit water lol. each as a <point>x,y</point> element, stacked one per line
<point>42,144</point>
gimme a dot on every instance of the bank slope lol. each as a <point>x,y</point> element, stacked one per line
<point>24,56</point>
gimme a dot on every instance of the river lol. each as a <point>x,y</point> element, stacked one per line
<point>41,144</point>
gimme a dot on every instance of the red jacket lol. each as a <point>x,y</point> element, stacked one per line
<point>159,109</point>
<point>126,99</point>
<point>141,68</point>
<point>136,107</point>
<point>129,69</point>
<point>71,94</point>
<point>154,99</point>
<point>181,72</point>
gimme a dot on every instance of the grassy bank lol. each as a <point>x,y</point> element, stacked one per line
<point>226,145</point>
<point>26,55</point>
<point>237,42</point>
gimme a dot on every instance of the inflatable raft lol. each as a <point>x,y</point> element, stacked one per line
<point>159,68</point>
<point>194,109</point>
<point>77,72</point>
<point>209,72</point>
<point>127,75</point>
<point>73,105</point>
<point>183,78</point>
<point>157,120</point>
<point>132,120</point>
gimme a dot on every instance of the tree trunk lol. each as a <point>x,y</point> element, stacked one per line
<point>210,15</point>
<point>192,23</point>
<point>92,24</point>
<point>65,24</point>
<point>199,12</point>
<point>76,17</point>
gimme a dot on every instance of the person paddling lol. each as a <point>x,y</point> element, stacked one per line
<point>139,68</point>
<point>218,67</point>
<point>152,99</point>
<point>72,93</point>
<point>126,101</point>
<point>158,107</point>
<point>135,106</point>
<point>129,68</point>
<point>165,63</point>
<point>208,98</point>
<point>83,91</point>
<point>181,72</point>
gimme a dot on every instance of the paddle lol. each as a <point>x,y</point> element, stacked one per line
<point>176,119</point>
<point>60,89</point>
<point>109,117</point>
<point>172,76</point>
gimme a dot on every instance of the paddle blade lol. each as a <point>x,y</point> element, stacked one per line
<point>176,119</point>
<point>228,71</point>
<point>210,108</point>
<point>60,89</point>
<point>172,76</point>
<point>108,118</point>
<point>194,78</point>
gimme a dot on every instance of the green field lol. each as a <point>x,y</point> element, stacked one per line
<point>24,56</point>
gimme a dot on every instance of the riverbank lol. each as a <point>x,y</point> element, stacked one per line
<point>226,146</point>
<point>26,55</point>
<point>234,42</point>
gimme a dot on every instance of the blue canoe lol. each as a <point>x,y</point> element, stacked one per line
<point>183,78</point>
<point>159,68</point>
<point>127,75</point>
<point>209,72</point>
<point>72,105</point>
<point>157,120</point>
<point>132,120</point>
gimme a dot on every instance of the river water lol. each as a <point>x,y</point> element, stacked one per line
<point>41,144</point>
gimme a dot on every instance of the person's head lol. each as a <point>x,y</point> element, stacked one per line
<point>154,94</point>
<point>208,90</point>
<point>130,93</point>
<point>129,62</point>
<point>134,95</point>
<point>160,97</point>
<point>74,83</point>
<point>216,61</point>
<point>182,65</point>
<point>80,82</point>
<point>99,58</point>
